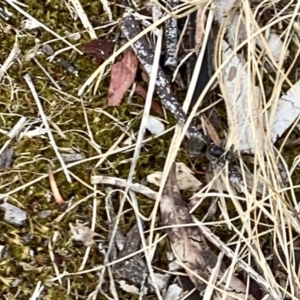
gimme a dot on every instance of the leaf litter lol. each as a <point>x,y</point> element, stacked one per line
<point>253,208</point>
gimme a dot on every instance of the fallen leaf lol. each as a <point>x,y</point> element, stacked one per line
<point>122,76</point>
<point>190,247</point>
<point>99,48</point>
<point>185,179</point>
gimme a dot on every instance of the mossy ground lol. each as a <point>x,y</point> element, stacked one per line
<point>26,259</point>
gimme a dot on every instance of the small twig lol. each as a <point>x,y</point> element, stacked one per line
<point>47,127</point>
<point>114,181</point>
<point>47,73</point>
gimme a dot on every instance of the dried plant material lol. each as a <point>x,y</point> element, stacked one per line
<point>155,126</point>
<point>5,14</point>
<point>46,125</point>
<point>37,132</point>
<point>30,24</point>
<point>84,234</point>
<point>287,111</point>
<point>185,179</point>
<point>14,54</point>
<point>245,127</point>
<point>122,77</point>
<point>6,157</point>
<point>145,54</point>
<point>13,214</point>
<point>84,19</point>
<point>99,48</point>
<point>275,46</point>
<point>128,288</point>
<point>69,157</point>
<point>56,194</point>
<point>171,38</point>
<point>139,90</point>
<point>17,127</point>
<point>236,31</point>
<point>190,247</point>
<point>200,25</point>
<point>212,131</point>
<point>119,182</point>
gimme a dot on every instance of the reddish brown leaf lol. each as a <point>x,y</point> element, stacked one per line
<point>101,49</point>
<point>122,76</point>
<point>139,90</point>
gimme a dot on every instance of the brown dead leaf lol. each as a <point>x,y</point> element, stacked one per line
<point>190,247</point>
<point>185,179</point>
<point>99,48</point>
<point>139,90</point>
<point>122,76</point>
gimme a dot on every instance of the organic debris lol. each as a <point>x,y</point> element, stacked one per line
<point>122,77</point>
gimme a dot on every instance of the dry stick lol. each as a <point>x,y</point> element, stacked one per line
<point>121,183</point>
<point>145,54</point>
<point>171,38</point>
<point>47,127</point>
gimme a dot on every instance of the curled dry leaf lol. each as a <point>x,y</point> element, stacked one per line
<point>122,77</point>
<point>185,179</point>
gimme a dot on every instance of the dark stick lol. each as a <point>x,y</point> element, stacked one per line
<point>145,54</point>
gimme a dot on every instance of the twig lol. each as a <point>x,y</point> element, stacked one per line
<point>47,127</point>
<point>114,181</point>
<point>46,73</point>
<point>144,52</point>
<point>171,38</point>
